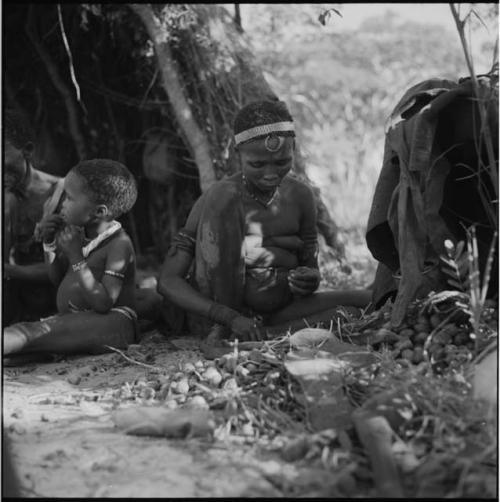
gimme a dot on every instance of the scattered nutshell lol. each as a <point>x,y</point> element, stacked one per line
<point>198,402</point>
<point>199,365</point>
<point>74,379</point>
<point>242,371</point>
<point>183,386</point>
<point>212,376</point>
<point>189,368</point>
<point>147,393</point>
<point>171,404</point>
<point>230,362</point>
<point>231,408</point>
<point>247,429</point>
<point>163,392</point>
<point>230,384</point>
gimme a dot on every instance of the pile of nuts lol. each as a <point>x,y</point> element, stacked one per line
<point>443,336</point>
<point>237,383</point>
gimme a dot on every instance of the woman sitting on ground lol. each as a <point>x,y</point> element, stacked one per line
<point>252,239</point>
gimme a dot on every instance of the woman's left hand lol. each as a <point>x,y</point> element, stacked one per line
<point>70,241</point>
<point>304,280</point>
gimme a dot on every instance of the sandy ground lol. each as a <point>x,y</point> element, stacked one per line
<point>64,442</point>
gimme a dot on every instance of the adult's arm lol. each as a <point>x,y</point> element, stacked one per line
<point>36,272</point>
<point>10,204</point>
<point>308,228</point>
<point>175,288</point>
<point>305,279</point>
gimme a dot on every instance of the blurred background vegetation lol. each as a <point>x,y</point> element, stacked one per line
<point>342,83</point>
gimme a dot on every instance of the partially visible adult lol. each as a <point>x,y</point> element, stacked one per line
<point>28,195</point>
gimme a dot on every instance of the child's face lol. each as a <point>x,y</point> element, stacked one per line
<point>77,208</point>
<point>265,169</point>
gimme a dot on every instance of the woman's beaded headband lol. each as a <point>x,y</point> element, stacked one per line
<point>263,130</point>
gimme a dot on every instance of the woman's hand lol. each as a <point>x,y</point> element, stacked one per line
<point>304,281</point>
<point>246,329</point>
<point>49,226</point>
<point>70,242</point>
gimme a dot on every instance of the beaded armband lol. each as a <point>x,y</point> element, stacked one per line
<point>78,266</point>
<point>112,273</point>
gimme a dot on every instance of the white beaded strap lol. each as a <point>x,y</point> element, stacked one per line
<point>112,273</point>
<point>263,130</point>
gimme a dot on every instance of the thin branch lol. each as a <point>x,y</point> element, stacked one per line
<point>133,361</point>
<point>70,57</point>
<point>150,86</point>
<point>59,83</point>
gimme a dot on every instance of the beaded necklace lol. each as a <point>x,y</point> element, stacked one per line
<point>254,197</point>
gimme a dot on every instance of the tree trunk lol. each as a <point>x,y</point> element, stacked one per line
<point>194,135</point>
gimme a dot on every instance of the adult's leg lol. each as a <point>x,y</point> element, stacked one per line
<point>317,306</point>
<point>82,332</point>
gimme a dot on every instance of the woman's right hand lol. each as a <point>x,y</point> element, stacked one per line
<point>246,328</point>
<point>49,226</point>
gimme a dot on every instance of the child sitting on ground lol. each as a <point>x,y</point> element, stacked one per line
<point>92,261</point>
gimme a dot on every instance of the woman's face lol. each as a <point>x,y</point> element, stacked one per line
<point>15,166</point>
<point>265,169</point>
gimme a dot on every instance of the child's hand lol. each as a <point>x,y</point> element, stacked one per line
<point>70,242</point>
<point>49,227</point>
<point>304,280</point>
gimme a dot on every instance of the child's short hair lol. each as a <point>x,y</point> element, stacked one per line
<point>110,183</point>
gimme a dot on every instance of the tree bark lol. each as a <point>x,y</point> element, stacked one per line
<point>60,85</point>
<point>196,138</point>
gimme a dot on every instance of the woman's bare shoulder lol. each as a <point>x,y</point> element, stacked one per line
<point>297,187</point>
